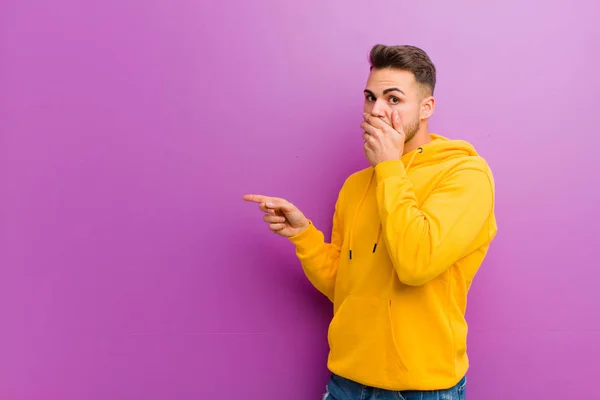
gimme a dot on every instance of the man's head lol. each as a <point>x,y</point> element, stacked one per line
<point>402,78</point>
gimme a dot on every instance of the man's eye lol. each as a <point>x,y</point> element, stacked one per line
<point>394,100</point>
<point>370,98</point>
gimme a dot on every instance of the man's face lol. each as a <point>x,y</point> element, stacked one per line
<point>393,89</point>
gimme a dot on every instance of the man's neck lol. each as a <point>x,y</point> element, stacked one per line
<point>422,137</point>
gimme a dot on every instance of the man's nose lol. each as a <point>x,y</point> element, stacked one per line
<point>378,109</point>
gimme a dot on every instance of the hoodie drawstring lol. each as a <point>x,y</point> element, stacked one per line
<point>419,150</point>
<point>362,199</point>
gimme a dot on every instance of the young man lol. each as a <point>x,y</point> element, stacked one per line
<point>409,233</point>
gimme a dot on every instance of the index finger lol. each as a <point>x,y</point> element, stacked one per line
<point>270,202</point>
<point>275,203</point>
<point>376,122</point>
<point>257,198</point>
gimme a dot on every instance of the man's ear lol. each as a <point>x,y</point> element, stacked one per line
<point>427,107</point>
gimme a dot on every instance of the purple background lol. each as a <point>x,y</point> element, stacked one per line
<point>129,130</point>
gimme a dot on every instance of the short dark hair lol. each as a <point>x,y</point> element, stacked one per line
<point>408,58</point>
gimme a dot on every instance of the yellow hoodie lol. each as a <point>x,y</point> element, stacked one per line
<point>408,237</point>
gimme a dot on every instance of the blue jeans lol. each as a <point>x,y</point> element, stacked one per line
<point>340,388</point>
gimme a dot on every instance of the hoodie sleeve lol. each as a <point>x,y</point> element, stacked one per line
<point>320,259</point>
<point>425,241</point>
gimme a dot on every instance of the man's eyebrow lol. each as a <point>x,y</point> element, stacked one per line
<point>394,89</point>
<point>386,91</point>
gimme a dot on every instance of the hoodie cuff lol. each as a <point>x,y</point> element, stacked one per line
<point>308,239</point>
<point>389,169</point>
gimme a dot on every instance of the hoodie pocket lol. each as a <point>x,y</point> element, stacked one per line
<point>361,339</point>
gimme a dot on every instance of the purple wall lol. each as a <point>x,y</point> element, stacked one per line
<point>129,130</point>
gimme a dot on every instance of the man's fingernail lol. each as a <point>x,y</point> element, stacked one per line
<point>269,204</point>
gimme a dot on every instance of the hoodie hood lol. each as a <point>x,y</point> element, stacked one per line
<point>439,149</point>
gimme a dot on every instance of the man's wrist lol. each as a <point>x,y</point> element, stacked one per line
<point>307,237</point>
<point>304,226</point>
<point>391,157</point>
<point>385,160</point>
